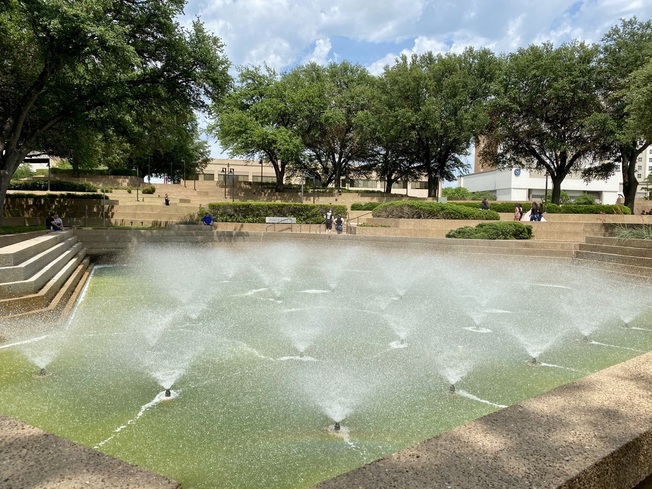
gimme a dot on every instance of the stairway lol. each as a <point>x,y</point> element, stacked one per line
<point>628,256</point>
<point>39,273</point>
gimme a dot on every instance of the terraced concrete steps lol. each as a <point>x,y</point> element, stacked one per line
<point>631,256</point>
<point>38,268</point>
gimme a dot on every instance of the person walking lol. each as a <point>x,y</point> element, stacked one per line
<point>167,199</point>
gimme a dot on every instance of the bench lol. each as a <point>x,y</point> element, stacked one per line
<point>281,220</point>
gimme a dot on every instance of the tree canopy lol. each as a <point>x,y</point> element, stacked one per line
<point>108,62</point>
<point>546,111</point>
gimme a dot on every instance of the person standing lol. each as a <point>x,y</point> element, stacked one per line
<point>167,199</point>
<point>518,212</point>
<point>328,220</point>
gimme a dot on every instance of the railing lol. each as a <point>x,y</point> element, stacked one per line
<point>273,221</point>
<point>357,219</point>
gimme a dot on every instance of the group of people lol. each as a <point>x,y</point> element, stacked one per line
<point>328,221</point>
<point>53,222</point>
<point>536,212</point>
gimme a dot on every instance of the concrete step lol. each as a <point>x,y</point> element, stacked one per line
<point>621,242</point>
<point>30,267</point>
<point>21,251</point>
<point>595,261</point>
<point>615,258</point>
<point>36,282</point>
<point>53,296</point>
<point>617,250</point>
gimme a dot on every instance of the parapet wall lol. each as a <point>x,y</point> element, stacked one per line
<point>593,433</point>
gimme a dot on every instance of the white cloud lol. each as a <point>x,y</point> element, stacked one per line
<point>320,54</point>
<point>282,33</point>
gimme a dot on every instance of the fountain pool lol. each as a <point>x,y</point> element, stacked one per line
<point>286,364</point>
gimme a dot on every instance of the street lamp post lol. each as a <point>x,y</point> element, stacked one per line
<point>261,176</point>
<point>184,173</point>
<point>226,172</point>
<point>137,184</point>
<point>232,177</point>
<point>545,194</point>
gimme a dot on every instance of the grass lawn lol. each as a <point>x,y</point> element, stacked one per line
<point>19,229</point>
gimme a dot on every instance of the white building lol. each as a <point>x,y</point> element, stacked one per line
<point>522,185</point>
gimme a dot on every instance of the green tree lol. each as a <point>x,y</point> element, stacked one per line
<point>116,58</point>
<point>389,153</point>
<point>328,101</point>
<point>546,114</point>
<point>257,121</point>
<point>437,107</point>
<point>626,71</point>
<point>456,193</point>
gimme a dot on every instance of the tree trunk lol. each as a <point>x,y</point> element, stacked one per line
<point>8,165</point>
<point>279,171</point>
<point>556,188</point>
<point>630,183</point>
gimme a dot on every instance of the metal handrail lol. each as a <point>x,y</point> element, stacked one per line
<point>287,220</point>
<point>357,219</point>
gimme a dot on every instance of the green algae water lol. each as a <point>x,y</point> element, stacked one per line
<point>264,348</point>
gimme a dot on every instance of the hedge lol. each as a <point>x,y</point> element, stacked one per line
<point>55,186</point>
<point>493,230</point>
<point>367,206</point>
<point>587,209</point>
<point>258,211</point>
<point>403,209</point>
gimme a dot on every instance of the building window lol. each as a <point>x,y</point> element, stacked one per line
<point>364,183</point>
<point>638,175</point>
<point>422,185</point>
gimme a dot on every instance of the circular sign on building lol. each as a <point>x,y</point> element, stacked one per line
<point>517,171</point>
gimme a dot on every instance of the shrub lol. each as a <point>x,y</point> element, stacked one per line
<point>148,189</point>
<point>403,209</point>
<point>55,186</point>
<point>367,206</point>
<point>634,231</point>
<point>587,209</point>
<point>455,193</point>
<point>493,230</point>
<point>258,211</point>
<point>584,199</point>
<point>504,207</point>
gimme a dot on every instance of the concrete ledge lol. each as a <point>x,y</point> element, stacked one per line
<point>34,283</point>
<point>593,433</point>
<point>23,250</point>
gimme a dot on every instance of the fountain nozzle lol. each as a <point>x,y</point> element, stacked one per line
<point>43,372</point>
<point>337,426</point>
<point>534,361</point>
<point>168,393</point>
<point>451,389</point>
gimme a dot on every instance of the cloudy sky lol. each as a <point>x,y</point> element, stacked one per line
<point>285,33</point>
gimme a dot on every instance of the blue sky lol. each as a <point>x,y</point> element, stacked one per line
<point>285,33</point>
